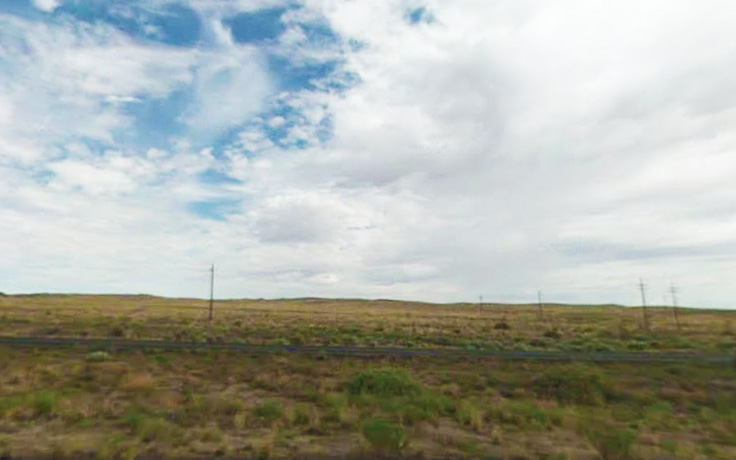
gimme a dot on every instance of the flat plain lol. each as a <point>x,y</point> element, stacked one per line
<point>80,403</point>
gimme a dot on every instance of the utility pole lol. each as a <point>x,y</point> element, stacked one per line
<point>673,290</point>
<point>539,301</point>
<point>212,288</point>
<point>642,287</point>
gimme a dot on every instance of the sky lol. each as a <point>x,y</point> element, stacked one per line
<point>410,149</point>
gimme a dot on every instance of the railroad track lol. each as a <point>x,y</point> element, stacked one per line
<point>359,352</point>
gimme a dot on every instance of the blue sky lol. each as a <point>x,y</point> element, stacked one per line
<point>411,149</point>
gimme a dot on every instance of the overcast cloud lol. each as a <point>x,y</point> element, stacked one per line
<point>429,150</point>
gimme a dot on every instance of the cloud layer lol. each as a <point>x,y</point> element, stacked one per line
<point>409,149</point>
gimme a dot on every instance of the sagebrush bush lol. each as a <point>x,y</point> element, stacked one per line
<point>427,407</point>
<point>98,356</point>
<point>384,435</point>
<point>502,326</point>
<point>552,334</point>
<point>270,410</point>
<point>383,382</point>
<point>612,443</point>
<point>157,429</point>
<point>45,402</point>
<point>301,414</point>
<point>572,384</point>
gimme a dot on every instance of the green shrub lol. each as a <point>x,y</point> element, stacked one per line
<point>707,449</point>
<point>210,433</point>
<point>423,407</point>
<point>669,445</point>
<point>44,402</point>
<point>333,400</point>
<point>156,429</point>
<point>270,410</point>
<point>118,330</point>
<point>133,420</point>
<point>384,435</point>
<point>434,403</point>
<point>98,356</point>
<point>502,326</point>
<point>519,413</point>
<point>612,443</point>
<point>301,415</point>
<point>383,382</point>
<point>468,414</point>
<point>572,384</point>
<point>552,334</point>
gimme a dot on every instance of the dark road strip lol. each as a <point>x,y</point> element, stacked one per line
<point>363,352</point>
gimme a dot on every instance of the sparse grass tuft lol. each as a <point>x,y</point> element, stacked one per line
<point>157,429</point>
<point>384,435</point>
<point>579,384</point>
<point>611,442</point>
<point>470,415</point>
<point>301,414</point>
<point>139,383</point>
<point>269,410</point>
<point>44,402</point>
<point>98,356</point>
<point>383,382</point>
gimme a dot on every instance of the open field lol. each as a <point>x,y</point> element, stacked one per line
<point>73,404</point>
<point>77,403</point>
<point>369,323</point>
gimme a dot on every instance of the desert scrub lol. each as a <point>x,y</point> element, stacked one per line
<point>334,407</point>
<point>469,414</point>
<point>611,442</point>
<point>269,410</point>
<point>383,382</point>
<point>301,414</point>
<point>384,435</point>
<point>522,414</point>
<point>98,356</point>
<point>44,402</point>
<point>427,406</point>
<point>577,384</point>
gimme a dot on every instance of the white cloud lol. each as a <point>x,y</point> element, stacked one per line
<point>64,81</point>
<point>230,89</point>
<point>504,147</point>
<point>276,122</point>
<point>47,5</point>
<point>503,130</point>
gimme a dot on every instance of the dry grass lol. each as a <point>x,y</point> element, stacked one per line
<point>141,383</point>
<point>368,323</point>
<point>70,404</point>
<point>194,405</point>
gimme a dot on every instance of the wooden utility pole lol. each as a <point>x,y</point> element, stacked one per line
<point>673,290</point>
<point>212,288</point>
<point>539,301</point>
<point>642,287</point>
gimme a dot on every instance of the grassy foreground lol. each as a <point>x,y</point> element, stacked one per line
<point>77,403</point>
<point>66,404</point>
<point>370,323</point>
